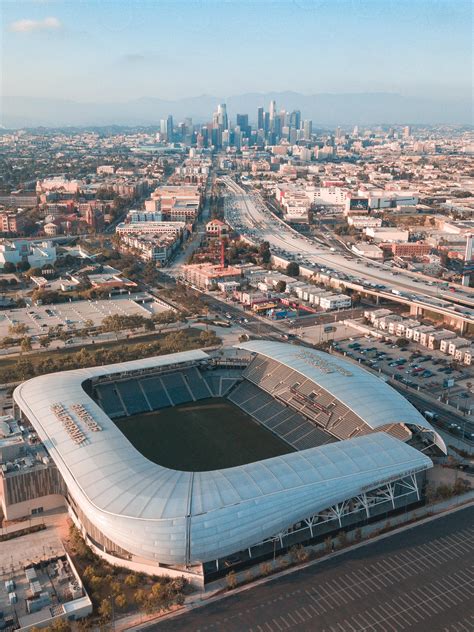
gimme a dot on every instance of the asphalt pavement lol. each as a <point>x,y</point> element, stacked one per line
<point>420,580</point>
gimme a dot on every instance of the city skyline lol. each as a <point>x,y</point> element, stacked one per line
<point>112,52</point>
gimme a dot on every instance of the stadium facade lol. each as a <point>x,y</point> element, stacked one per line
<point>361,451</point>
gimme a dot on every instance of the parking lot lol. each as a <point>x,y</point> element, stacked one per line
<point>74,315</point>
<point>414,366</point>
<point>421,579</point>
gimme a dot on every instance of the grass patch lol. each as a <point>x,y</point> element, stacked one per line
<point>201,436</point>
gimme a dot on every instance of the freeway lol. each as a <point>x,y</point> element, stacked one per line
<point>249,214</point>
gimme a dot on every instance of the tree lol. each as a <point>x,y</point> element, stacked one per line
<point>293,269</point>
<point>121,601</point>
<point>45,342</point>
<point>149,325</point>
<point>60,625</point>
<point>7,342</point>
<point>18,328</point>
<point>105,610</point>
<point>231,580</point>
<point>9,267</point>
<point>264,252</point>
<point>401,342</point>
<point>22,266</point>
<point>281,286</point>
<point>25,345</point>
<point>131,580</point>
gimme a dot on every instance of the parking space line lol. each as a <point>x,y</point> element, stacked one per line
<point>350,587</point>
<point>316,612</point>
<point>327,598</point>
<point>310,616</point>
<point>298,614</point>
<point>425,604</point>
<point>389,614</point>
<point>290,616</point>
<point>393,571</point>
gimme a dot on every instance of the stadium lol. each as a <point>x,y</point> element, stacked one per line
<point>196,462</point>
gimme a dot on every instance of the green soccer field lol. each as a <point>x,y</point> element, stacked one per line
<point>200,436</point>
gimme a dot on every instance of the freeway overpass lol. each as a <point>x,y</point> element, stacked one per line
<point>250,217</point>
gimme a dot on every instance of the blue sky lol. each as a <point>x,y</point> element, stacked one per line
<point>104,50</point>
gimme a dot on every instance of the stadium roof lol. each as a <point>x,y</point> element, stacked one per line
<point>177,517</point>
<point>367,395</point>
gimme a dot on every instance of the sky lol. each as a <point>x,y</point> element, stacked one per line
<point>119,50</point>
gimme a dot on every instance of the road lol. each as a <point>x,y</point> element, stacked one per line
<point>417,581</point>
<point>249,211</point>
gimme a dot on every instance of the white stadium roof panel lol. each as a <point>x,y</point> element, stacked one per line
<point>367,395</point>
<point>172,516</point>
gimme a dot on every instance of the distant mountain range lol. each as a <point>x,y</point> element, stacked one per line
<point>323,109</point>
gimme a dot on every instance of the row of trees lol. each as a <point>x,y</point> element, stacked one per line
<point>26,368</point>
<point>113,588</point>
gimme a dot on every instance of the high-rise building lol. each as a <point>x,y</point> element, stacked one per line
<point>273,108</point>
<point>222,120</point>
<point>169,128</point>
<point>243,123</point>
<point>266,122</point>
<point>406,131</point>
<point>260,118</point>
<point>295,119</point>
<point>307,129</point>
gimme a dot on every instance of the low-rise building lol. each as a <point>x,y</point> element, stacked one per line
<point>451,346</point>
<point>151,247</point>
<point>411,249</point>
<point>371,251</point>
<point>387,233</point>
<point>11,223</point>
<point>216,228</point>
<point>335,301</point>
<point>363,221</point>
<point>156,228</point>
<point>207,275</point>
<point>35,253</point>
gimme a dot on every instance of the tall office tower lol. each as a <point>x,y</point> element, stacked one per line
<point>276,128</point>
<point>355,131</point>
<point>238,137</point>
<point>307,129</point>
<point>260,118</point>
<point>222,116</point>
<point>266,122</point>
<point>182,131</point>
<point>169,128</point>
<point>338,132</point>
<point>188,122</point>
<point>293,136</point>
<point>243,123</point>
<point>295,119</point>
<point>225,138</point>
<point>407,131</point>
<point>206,131</point>
<point>273,108</point>
<point>163,128</point>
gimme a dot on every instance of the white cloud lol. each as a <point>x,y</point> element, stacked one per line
<point>28,26</point>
